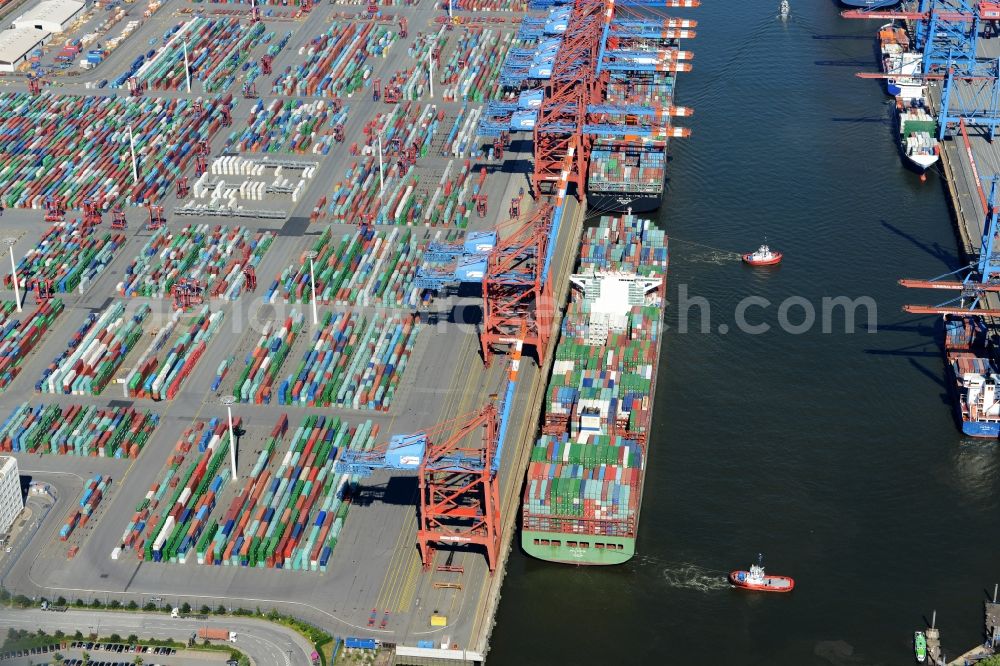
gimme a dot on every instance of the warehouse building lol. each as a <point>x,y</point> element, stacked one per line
<point>11,501</point>
<point>16,46</point>
<point>50,15</point>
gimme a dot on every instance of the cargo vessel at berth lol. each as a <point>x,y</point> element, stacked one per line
<point>917,125</point>
<point>584,482</point>
<point>628,167</point>
<point>975,378</point>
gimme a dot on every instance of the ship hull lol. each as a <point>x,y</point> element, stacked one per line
<point>869,4</point>
<point>770,584</point>
<point>620,202</point>
<point>589,550</point>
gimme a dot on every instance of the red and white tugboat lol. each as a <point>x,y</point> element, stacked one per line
<point>764,256</point>
<point>756,579</point>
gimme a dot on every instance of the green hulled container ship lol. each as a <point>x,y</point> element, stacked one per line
<point>584,482</point>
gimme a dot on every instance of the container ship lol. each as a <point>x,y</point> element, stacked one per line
<point>899,61</point>
<point>630,172</point>
<point>972,365</point>
<point>917,125</point>
<point>585,478</point>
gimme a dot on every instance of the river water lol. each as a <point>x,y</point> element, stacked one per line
<point>834,454</point>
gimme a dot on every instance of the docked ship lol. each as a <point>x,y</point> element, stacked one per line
<point>899,61</point>
<point>869,4</point>
<point>629,172</point>
<point>918,134</point>
<point>974,375</point>
<point>917,125</point>
<point>584,482</point>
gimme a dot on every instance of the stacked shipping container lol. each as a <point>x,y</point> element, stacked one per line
<point>287,515</point>
<point>93,493</point>
<point>62,145</point>
<point>213,256</point>
<point>77,430</point>
<point>69,255</point>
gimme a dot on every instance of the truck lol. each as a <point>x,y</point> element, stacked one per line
<point>217,635</point>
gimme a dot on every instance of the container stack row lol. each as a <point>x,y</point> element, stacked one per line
<point>213,256</point>
<point>366,267</point>
<point>216,48</point>
<point>96,352</point>
<point>185,515</point>
<point>262,365</point>
<point>335,62</point>
<point>117,432</point>
<point>68,255</point>
<point>159,375</point>
<point>289,126</point>
<point>291,518</point>
<point>198,436</point>
<point>352,363</point>
<point>20,333</point>
<point>93,493</point>
<point>71,147</point>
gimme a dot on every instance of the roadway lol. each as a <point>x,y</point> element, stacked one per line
<point>266,643</point>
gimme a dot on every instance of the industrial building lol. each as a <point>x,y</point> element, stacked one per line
<point>16,46</point>
<point>11,501</point>
<point>50,15</point>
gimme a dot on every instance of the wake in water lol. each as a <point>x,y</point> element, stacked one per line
<point>707,253</point>
<point>694,577</point>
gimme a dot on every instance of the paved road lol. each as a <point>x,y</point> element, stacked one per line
<point>265,643</point>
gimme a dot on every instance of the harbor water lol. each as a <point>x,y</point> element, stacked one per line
<point>835,454</point>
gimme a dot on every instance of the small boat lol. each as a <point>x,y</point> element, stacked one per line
<point>920,646</point>
<point>784,9</point>
<point>756,579</point>
<point>764,256</point>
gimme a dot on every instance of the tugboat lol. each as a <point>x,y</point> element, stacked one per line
<point>920,646</point>
<point>756,579</point>
<point>764,256</point>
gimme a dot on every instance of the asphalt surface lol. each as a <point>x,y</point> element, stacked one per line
<point>264,642</point>
<point>375,570</point>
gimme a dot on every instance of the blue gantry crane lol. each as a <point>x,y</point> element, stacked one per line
<point>974,281</point>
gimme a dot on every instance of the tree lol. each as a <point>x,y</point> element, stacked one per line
<point>244,660</point>
<point>132,605</point>
<point>115,604</point>
<point>57,659</point>
<point>61,601</point>
<point>132,639</point>
<point>205,610</point>
<point>86,658</point>
<point>58,633</point>
<point>96,603</point>
<point>185,608</point>
<point>220,610</point>
<point>78,635</point>
<point>12,634</point>
<point>78,603</point>
<point>138,660</point>
<point>115,638</point>
<point>150,606</point>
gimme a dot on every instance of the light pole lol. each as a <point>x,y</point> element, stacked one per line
<point>131,148</point>
<point>13,269</point>
<point>311,255</point>
<point>228,401</point>
<point>187,70</point>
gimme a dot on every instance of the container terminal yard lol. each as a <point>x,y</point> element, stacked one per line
<point>316,221</point>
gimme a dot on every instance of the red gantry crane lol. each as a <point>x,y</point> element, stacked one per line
<point>457,463</point>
